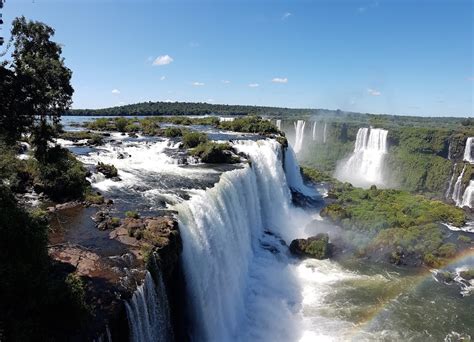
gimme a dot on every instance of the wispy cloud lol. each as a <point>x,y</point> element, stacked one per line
<point>210,100</point>
<point>225,81</point>
<point>286,15</point>
<point>280,80</point>
<point>115,91</point>
<point>253,85</point>
<point>194,44</point>
<point>197,84</point>
<point>162,78</point>
<point>363,9</point>
<point>163,60</point>
<point>374,92</point>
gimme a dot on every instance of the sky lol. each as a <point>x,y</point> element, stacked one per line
<point>378,56</point>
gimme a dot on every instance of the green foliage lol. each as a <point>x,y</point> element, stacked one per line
<point>92,138</point>
<point>464,238</point>
<point>315,175</point>
<point>215,153</point>
<point>403,224</point>
<point>108,170</point>
<point>193,139</point>
<point>121,124</point>
<point>132,214</point>
<point>249,124</point>
<point>173,132</point>
<point>467,274</point>
<point>61,176</point>
<point>318,249</point>
<point>93,197</point>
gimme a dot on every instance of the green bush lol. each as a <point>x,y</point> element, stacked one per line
<point>193,139</point>
<point>121,124</point>
<point>108,170</point>
<point>132,214</point>
<point>173,132</point>
<point>249,124</point>
<point>215,153</point>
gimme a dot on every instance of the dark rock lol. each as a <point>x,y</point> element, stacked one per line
<point>317,247</point>
<point>108,170</point>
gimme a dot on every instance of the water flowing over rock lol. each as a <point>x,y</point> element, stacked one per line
<point>315,125</point>
<point>325,133</point>
<point>468,150</point>
<point>148,312</point>
<point>457,192</point>
<point>293,174</point>
<point>278,124</point>
<point>451,180</point>
<point>365,166</point>
<point>468,195</point>
<point>237,289</point>
<point>299,135</point>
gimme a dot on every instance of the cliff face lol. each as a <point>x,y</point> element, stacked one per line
<point>112,269</point>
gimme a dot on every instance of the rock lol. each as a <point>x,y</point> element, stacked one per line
<point>108,170</point>
<point>317,247</point>
<point>468,274</point>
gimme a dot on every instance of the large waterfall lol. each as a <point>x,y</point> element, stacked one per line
<point>278,124</point>
<point>468,150</point>
<point>299,135</point>
<point>457,192</point>
<point>315,125</point>
<point>325,132</point>
<point>468,197</point>
<point>451,181</point>
<point>148,312</point>
<point>240,286</point>
<point>365,166</point>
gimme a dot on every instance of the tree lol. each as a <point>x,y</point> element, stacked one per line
<point>42,78</point>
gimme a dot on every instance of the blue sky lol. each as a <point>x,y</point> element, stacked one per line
<point>392,56</point>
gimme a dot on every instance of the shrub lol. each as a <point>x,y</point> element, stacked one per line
<point>193,139</point>
<point>249,124</point>
<point>108,170</point>
<point>215,153</point>
<point>120,124</point>
<point>132,214</point>
<point>173,132</point>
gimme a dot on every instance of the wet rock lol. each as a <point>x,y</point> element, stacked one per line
<point>467,274</point>
<point>317,247</point>
<point>63,206</point>
<point>108,170</point>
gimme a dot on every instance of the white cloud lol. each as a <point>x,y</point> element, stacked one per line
<point>286,15</point>
<point>361,9</point>
<point>194,44</point>
<point>374,92</point>
<point>162,78</point>
<point>210,100</point>
<point>253,85</point>
<point>197,84</point>
<point>115,91</point>
<point>225,81</point>
<point>163,60</point>
<point>280,80</point>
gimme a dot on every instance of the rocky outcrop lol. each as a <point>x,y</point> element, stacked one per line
<point>317,247</point>
<point>112,271</point>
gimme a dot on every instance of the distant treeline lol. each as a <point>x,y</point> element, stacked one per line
<point>200,108</point>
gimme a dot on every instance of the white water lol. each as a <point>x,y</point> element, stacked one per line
<point>451,180</point>
<point>299,135</point>
<point>468,196</point>
<point>325,137</point>
<point>148,313</point>
<point>457,192</point>
<point>365,166</point>
<point>315,125</point>
<point>468,150</point>
<point>278,124</point>
<point>293,175</point>
<point>240,291</point>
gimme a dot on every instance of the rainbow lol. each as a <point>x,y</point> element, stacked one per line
<point>418,279</point>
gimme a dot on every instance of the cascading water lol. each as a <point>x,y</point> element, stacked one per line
<point>468,197</point>
<point>468,150</point>
<point>451,180</point>
<point>148,312</point>
<point>365,166</point>
<point>457,192</point>
<point>278,124</point>
<point>293,175</point>
<point>238,289</point>
<point>325,130</point>
<point>315,125</point>
<point>299,135</point>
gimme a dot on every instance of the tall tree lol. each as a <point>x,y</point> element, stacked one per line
<point>42,79</point>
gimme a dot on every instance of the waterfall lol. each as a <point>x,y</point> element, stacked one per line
<point>299,135</point>
<point>278,124</point>
<point>148,312</point>
<point>293,174</point>
<point>237,289</point>
<point>468,150</point>
<point>315,125</point>
<point>468,196</point>
<point>451,180</point>
<point>365,165</point>
<point>325,133</point>
<point>458,188</point>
